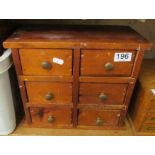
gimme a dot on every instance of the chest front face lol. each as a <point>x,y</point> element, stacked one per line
<point>77,78</point>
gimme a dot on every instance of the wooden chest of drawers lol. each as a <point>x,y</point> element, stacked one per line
<point>142,108</point>
<point>77,76</point>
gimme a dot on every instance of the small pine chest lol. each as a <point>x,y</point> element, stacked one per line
<point>81,77</point>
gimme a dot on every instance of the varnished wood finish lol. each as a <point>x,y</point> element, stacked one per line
<point>90,37</point>
<point>148,128</point>
<point>142,109</point>
<point>61,117</point>
<point>85,51</point>
<point>23,129</point>
<point>46,78</point>
<point>150,118</point>
<point>61,92</point>
<point>89,79</point>
<point>32,59</point>
<point>91,67</point>
<point>88,117</point>
<point>30,130</point>
<point>90,93</point>
<point>152,104</point>
<point>17,64</point>
<point>135,73</point>
<point>76,69</point>
<point>101,106</point>
<point>45,105</point>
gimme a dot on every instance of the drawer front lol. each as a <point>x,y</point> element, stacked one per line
<point>51,117</point>
<point>150,117</point>
<point>106,94</point>
<point>152,104</point>
<point>46,61</point>
<point>152,107</point>
<point>100,118</point>
<point>49,92</point>
<point>101,63</point>
<point>148,128</point>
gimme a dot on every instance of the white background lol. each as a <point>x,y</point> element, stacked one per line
<point>100,145</point>
<point>77,9</point>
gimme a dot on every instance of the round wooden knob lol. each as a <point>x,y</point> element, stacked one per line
<point>46,65</point>
<point>109,66</point>
<point>51,119</point>
<point>103,96</point>
<point>49,96</point>
<point>99,121</point>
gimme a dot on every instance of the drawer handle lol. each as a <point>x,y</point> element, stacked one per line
<point>49,96</point>
<point>51,119</point>
<point>103,96</point>
<point>99,121</point>
<point>109,66</point>
<point>46,65</point>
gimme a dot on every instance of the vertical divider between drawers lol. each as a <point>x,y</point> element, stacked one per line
<point>76,74</point>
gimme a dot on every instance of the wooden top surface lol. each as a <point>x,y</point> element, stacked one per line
<point>83,36</point>
<point>147,73</point>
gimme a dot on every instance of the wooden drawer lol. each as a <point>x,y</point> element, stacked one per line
<point>148,128</point>
<point>101,63</point>
<point>51,117</point>
<point>150,117</point>
<point>106,94</point>
<point>49,92</point>
<point>46,62</point>
<point>152,104</point>
<point>100,118</point>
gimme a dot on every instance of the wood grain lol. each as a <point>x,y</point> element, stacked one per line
<point>91,67</point>
<point>62,117</point>
<point>17,63</point>
<point>152,104</point>
<point>135,73</point>
<point>96,37</point>
<point>32,59</point>
<point>61,92</point>
<point>90,93</point>
<point>46,78</point>
<point>150,118</point>
<point>85,51</point>
<point>142,108</point>
<point>89,79</point>
<point>76,68</point>
<point>88,117</point>
<point>149,128</point>
<point>25,130</point>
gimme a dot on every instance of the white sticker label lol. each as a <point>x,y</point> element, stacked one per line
<point>58,61</point>
<point>153,91</point>
<point>122,57</point>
